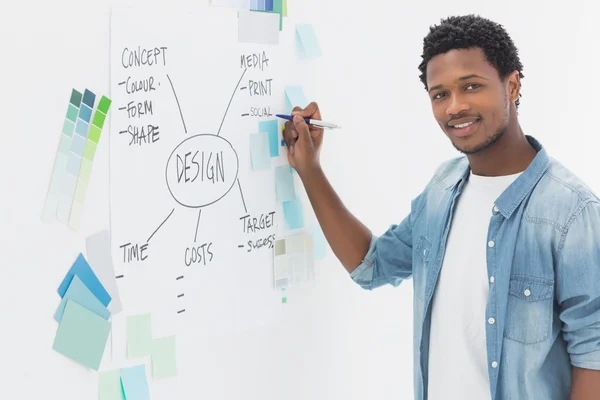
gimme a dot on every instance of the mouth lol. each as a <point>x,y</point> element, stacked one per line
<point>464,129</point>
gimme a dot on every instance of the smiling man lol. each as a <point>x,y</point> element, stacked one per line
<point>502,245</point>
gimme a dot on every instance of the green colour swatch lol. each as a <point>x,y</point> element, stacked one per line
<point>284,300</point>
<point>85,169</point>
<point>139,336</point>
<point>284,8</point>
<point>89,150</point>
<point>81,190</point>
<point>104,104</point>
<point>99,118</point>
<point>72,113</point>
<point>109,386</point>
<point>164,358</point>
<point>76,98</point>
<point>94,133</point>
<point>64,146</point>
<point>68,128</point>
<point>82,335</point>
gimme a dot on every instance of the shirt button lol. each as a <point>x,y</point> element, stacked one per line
<point>491,243</point>
<point>492,279</point>
<point>491,321</point>
<point>527,292</point>
<point>496,209</point>
<point>494,364</point>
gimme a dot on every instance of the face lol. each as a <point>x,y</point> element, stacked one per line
<point>470,101</point>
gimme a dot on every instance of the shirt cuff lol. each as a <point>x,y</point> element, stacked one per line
<point>587,360</point>
<point>367,263</point>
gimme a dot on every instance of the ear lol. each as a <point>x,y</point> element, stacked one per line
<point>514,86</point>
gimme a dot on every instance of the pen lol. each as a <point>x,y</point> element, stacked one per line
<point>314,122</point>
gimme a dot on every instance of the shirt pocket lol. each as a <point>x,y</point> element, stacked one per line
<point>420,260</point>
<point>529,313</point>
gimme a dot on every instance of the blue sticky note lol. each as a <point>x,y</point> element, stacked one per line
<point>85,113</point>
<point>268,5</point>
<point>73,164</point>
<point>284,183</point>
<point>81,128</point>
<point>254,4</point>
<point>80,294</point>
<point>271,128</point>
<point>77,145</point>
<point>82,269</point>
<point>259,151</point>
<point>307,42</point>
<point>261,5</point>
<point>319,241</point>
<point>89,98</point>
<point>294,216</point>
<point>295,96</point>
<point>135,384</point>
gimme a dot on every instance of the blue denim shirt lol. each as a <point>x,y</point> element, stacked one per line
<point>543,261</point>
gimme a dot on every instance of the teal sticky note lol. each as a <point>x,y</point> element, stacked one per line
<point>292,211</point>
<point>109,385</point>
<point>82,269</point>
<point>307,42</point>
<point>284,183</point>
<point>80,294</point>
<point>295,96</point>
<point>164,358</point>
<point>81,335</point>
<point>319,241</point>
<point>135,383</point>
<point>139,335</point>
<point>259,151</point>
<point>270,127</point>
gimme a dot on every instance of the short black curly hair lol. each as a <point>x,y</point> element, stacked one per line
<point>469,31</point>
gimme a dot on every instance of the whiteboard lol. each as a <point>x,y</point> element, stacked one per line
<point>331,340</point>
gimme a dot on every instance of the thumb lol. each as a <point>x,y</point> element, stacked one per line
<point>302,128</point>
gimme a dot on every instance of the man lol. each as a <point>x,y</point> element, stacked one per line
<point>503,244</point>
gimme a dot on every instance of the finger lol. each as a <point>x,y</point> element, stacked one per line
<point>310,111</point>
<point>301,127</point>
<point>315,132</point>
<point>288,136</point>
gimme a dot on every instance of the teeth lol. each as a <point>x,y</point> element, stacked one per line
<point>464,125</point>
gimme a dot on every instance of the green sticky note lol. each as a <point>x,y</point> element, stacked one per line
<point>164,358</point>
<point>99,118</point>
<point>76,98</point>
<point>104,104</point>
<point>109,386</point>
<point>139,336</point>
<point>284,300</point>
<point>82,335</point>
<point>94,133</point>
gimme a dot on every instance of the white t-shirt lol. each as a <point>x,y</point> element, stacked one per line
<point>458,367</point>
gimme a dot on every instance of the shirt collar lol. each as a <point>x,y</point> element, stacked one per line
<point>516,192</point>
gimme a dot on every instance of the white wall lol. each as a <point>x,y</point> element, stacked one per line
<point>337,341</point>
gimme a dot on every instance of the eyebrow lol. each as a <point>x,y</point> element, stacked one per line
<point>462,78</point>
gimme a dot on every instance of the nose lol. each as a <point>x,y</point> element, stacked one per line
<point>456,105</point>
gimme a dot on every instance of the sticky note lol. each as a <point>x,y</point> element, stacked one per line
<point>284,183</point>
<point>82,269</point>
<point>98,251</point>
<point>259,151</point>
<point>270,127</point>
<point>295,97</point>
<point>109,385</point>
<point>258,27</point>
<point>307,42</point>
<point>292,211</point>
<point>81,335</point>
<point>135,384</point>
<point>80,294</point>
<point>319,241</point>
<point>284,8</point>
<point>139,335</point>
<point>164,358</point>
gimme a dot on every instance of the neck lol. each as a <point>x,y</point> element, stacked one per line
<point>511,154</point>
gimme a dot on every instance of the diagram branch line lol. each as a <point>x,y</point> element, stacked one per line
<point>197,224</point>
<point>243,201</point>
<point>178,106</point>
<point>230,100</point>
<point>169,216</point>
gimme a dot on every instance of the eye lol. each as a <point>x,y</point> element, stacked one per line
<point>438,96</point>
<point>473,85</point>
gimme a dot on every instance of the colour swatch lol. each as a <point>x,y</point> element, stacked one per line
<point>73,162</point>
<point>293,260</point>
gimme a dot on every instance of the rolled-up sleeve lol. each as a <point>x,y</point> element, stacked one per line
<point>578,287</point>
<point>389,258</point>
